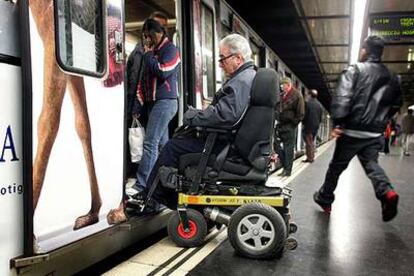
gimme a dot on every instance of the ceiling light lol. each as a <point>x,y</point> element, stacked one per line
<point>358,16</point>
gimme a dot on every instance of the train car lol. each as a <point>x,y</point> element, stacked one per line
<point>63,119</point>
<point>11,163</point>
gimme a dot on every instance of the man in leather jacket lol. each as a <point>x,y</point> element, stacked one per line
<point>227,107</point>
<point>367,96</point>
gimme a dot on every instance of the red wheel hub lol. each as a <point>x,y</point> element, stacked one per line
<point>190,234</point>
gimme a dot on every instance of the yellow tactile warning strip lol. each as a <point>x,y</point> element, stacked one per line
<point>165,258</point>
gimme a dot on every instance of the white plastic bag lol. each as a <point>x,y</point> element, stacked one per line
<point>136,134</point>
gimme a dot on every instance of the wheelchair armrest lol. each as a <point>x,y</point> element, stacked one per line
<point>218,130</point>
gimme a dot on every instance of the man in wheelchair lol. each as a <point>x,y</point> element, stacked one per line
<point>215,168</point>
<point>224,113</point>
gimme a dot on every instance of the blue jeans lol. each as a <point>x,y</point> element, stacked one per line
<point>156,136</point>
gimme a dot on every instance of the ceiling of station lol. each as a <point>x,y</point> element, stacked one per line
<point>329,25</point>
<point>386,6</point>
<point>280,26</point>
<point>326,7</point>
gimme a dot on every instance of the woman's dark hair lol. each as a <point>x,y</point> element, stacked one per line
<point>152,26</point>
<point>158,14</point>
<point>374,45</point>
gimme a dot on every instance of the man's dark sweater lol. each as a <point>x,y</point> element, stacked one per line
<point>291,110</point>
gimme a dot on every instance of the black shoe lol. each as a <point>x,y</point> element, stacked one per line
<point>326,207</point>
<point>284,173</point>
<point>137,199</point>
<point>136,206</point>
<point>307,161</point>
<point>389,203</point>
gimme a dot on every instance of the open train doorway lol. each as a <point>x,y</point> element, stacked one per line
<point>167,13</point>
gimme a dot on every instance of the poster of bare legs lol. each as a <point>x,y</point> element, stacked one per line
<point>77,131</point>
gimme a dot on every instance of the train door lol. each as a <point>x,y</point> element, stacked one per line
<point>208,48</point>
<point>168,13</point>
<point>11,183</point>
<point>73,118</point>
<point>207,78</point>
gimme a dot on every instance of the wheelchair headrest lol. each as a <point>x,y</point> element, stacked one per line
<point>265,81</point>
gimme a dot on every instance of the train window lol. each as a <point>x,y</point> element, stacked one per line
<point>225,30</point>
<point>9,34</point>
<point>255,53</point>
<point>287,74</point>
<point>207,44</point>
<point>80,36</point>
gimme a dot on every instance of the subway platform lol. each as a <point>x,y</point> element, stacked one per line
<point>353,240</point>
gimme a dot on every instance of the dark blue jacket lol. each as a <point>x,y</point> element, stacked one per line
<point>160,75</point>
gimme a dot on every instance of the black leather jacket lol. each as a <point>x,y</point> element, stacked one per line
<point>366,97</point>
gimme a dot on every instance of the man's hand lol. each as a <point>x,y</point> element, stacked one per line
<point>135,116</point>
<point>148,48</point>
<point>336,133</point>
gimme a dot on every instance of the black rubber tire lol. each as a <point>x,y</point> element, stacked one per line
<point>195,217</point>
<point>275,249</point>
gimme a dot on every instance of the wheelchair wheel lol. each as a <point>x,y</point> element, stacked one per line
<point>257,231</point>
<point>196,235</point>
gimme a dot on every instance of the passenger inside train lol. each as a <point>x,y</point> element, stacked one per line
<point>159,88</point>
<point>151,98</point>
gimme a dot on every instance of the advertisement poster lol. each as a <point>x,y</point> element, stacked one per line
<point>77,123</point>
<point>11,186</point>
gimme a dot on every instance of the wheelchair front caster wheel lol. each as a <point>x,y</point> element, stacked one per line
<point>291,243</point>
<point>293,228</point>
<point>257,231</point>
<point>195,236</point>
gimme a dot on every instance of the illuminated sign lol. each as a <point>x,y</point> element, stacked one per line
<point>392,27</point>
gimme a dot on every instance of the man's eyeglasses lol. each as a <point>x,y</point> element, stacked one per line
<point>221,60</point>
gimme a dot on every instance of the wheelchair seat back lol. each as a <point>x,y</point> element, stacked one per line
<point>254,138</point>
<point>249,154</point>
<point>253,141</point>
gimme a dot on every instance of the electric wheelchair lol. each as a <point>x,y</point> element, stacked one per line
<point>230,187</point>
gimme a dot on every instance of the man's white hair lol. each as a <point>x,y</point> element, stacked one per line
<point>238,45</point>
